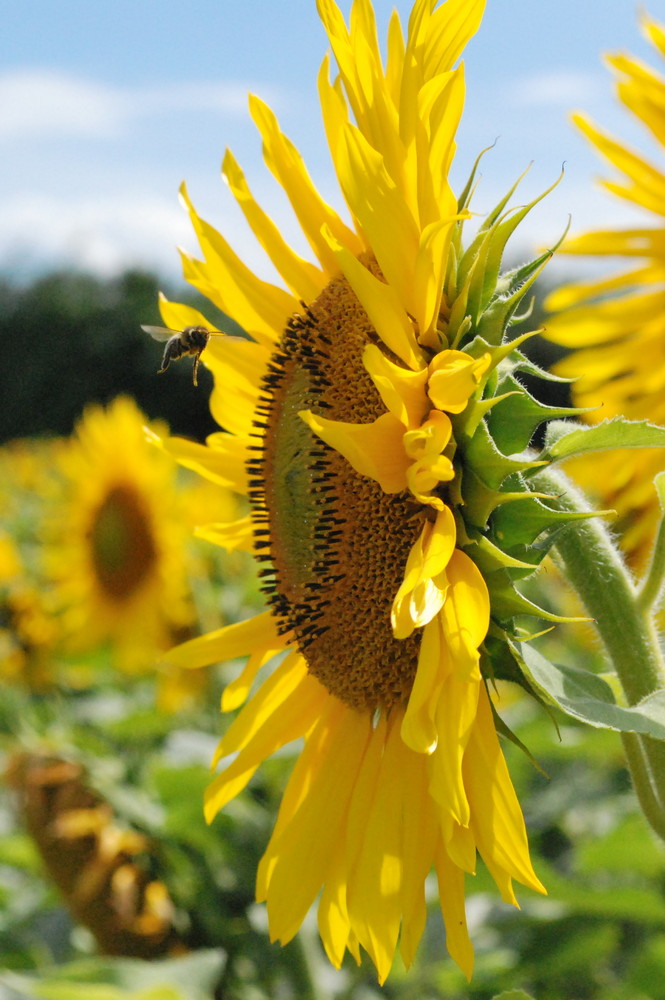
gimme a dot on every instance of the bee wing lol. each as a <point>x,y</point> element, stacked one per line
<point>227,336</point>
<point>160,332</point>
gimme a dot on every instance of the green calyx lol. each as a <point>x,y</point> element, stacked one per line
<point>504,525</point>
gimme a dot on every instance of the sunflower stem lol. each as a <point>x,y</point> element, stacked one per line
<point>595,569</point>
<point>651,587</point>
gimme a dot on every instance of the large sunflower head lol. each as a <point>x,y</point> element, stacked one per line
<point>114,552</point>
<point>615,325</point>
<point>368,416</point>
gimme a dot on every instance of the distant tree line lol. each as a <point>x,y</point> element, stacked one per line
<point>68,339</point>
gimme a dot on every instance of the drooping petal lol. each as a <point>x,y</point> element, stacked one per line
<point>423,591</point>
<point>373,450</point>
<point>496,817</point>
<point>402,390</point>
<point>451,895</point>
<point>453,378</point>
<point>310,820</point>
<point>284,709</point>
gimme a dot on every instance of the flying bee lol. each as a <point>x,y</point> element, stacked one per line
<point>192,342</point>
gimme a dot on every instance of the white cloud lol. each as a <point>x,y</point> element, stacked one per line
<point>108,235</point>
<point>557,88</point>
<point>42,104</point>
<point>105,236</point>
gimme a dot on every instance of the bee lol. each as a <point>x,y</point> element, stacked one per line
<point>191,341</point>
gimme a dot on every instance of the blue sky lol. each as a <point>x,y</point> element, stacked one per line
<point>105,107</point>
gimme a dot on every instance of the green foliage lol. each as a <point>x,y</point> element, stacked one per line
<point>193,977</point>
<point>562,442</point>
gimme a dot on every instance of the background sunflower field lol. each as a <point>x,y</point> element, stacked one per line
<point>106,762</point>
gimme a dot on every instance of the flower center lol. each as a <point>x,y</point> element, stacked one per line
<point>122,544</point>
<point>336,545</point>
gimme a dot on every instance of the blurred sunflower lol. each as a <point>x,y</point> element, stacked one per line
<point>348,416</point>
<point>27,632</point>
<point>616,325</point>
<point>115,550</point>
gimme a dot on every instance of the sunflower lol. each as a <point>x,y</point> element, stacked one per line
<point>114,554</point>
<point>616,324</point>
<point>27,632</point>
<point>354,421</point>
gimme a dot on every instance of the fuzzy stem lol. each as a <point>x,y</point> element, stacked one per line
<point>651,588</point>
<point>595,569</point>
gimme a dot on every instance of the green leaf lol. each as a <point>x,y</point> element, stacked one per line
<point>587,697</point>
<point>562,442</point>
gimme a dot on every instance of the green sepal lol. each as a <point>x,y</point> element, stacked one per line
<point>488,557</point>
<point>522,522</point>
<point>584,695</point>
<point>465,197</point>
<point>505,731</point>
<point>512,423</point>
<point>484,263</point>
<point>501,309</point>
<point>479,408</point>
<point>563,442</point>
<point>507,601</point>
<point>491,465</point>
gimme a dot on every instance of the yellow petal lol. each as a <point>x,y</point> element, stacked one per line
<point>455,717</point>
<point>375,886</point>
<point>306,844</point>
<point>236,366</point>
<point>402,390</point>
<point>176,316</point>
<point>423,590</point>
<point>454,377</point>
<point>419,729</point>
<point>465,614</point>
<point>388,223</point>
<point>383,307</point>
<point>227,643</point>
<point>285,162</point>
<point>373,450</point>
<point>258,306</point>
<point>275,691</point>
<point>304,279</point>
<point>496,817</point>
<point>273,718</point>
<point>231,535</point>
<point>451,895</point>
<point>223,460</point>
<point>236,691</point>
<point>419,839</point>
